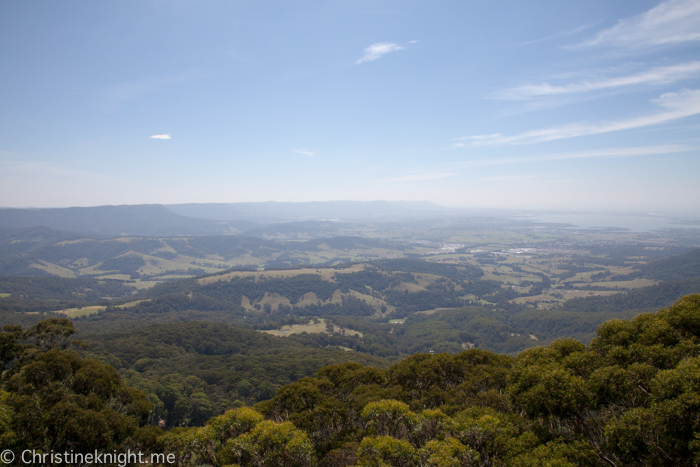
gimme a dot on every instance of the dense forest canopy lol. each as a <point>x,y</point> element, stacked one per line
<point>631,397</point>
<point>192,371</point>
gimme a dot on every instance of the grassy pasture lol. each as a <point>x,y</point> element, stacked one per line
<point>90,270</point>
<point>309,298</point>
<point>72,242</point>
<point>130,304</point>
<point>144,284</point>
<point>80,262</point>
<point>327,253</point>
<point>123,277</point>
<point>337,297</point>
<point>155,265</point>
<point>425,279</point>
<point>311,328</point>
<point>549,300</point>
<point>91,310</point>
<point>4,295</point>
<point>325,273</point>
<point>580,277</point>
<point>124,239</point>
<point>512,278</point>
<point>375,303</point>
<point>633,284</point>
<point>410,287</point>
<point>83,311</point>
<point>54,269</point>
<point>245,303</point>
<point>620,270</point>
<point>274,300</point>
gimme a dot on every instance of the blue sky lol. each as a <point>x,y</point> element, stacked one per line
<point>487,104</point>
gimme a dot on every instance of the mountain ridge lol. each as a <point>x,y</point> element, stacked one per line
<point>151,220</point>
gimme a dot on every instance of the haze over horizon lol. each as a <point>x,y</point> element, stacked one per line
<point>546,105</point>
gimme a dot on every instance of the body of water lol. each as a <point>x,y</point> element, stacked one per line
<point>635,223</point>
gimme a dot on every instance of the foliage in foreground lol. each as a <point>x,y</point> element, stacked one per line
<point>52,400</point>
<point>192,371</point>
<point>632,397</point>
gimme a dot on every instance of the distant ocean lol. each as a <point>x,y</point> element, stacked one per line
<point>635,223</point>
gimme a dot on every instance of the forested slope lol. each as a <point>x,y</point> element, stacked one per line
<point>194,370</point>
<point>631,397</point>
<point>678,267</point>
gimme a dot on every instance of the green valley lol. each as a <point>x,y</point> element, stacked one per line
<point>398,342</point>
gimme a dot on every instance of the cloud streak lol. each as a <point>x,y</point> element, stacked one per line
<point>677,104</point>
<point>556,36</point>
<point>168,136</point>
<point>452,169</point>
<point>304,153</point>
<point>377,51</point>
<point>421,176</point>
<point>598,153</point>
<point>510,178</point>
<point>670,22</point>
<point>654,76</point>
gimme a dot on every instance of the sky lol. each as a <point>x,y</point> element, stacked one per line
<point>477,103</point>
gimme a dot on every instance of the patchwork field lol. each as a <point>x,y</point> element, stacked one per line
<point>318,327</point>
<point>326,274</point>
<point>553,299</point>
<point>82,311</point>
<point>94,309</point>
<point>633,284</point>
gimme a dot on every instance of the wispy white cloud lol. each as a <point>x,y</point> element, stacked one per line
<point>168,136</point>
<point>377,50</point>
<point>453,169</point>
<point>654,76</point>
<point>598,153</point>
<point>677,104</point>
<point>670,22</point>
<point>556,36</point>
<point>509,178</point>
<point>419,176</point>
<point>304,153</point>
